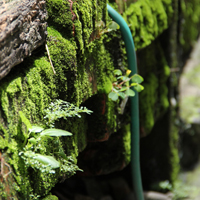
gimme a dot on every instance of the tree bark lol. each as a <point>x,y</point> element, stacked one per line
<point>22,29</point>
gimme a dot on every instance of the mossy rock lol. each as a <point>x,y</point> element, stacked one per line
<point>153,100</point>
<point>81,71</point>
<point>84,60</point>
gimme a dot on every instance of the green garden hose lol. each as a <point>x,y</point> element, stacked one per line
<point>132,64</point>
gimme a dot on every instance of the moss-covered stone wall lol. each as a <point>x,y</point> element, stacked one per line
<point>159,150</point>
<point>83,62</point>
<point>84,56</point>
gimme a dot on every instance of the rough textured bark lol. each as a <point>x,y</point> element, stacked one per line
<point>22,29</point>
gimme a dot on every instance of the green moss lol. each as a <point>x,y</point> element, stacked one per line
<point>29,93</point>
<point>127,142</point>
<point>63,55</point>
<point>148,19</point>
<point>173,149</point>
<point>50,197</point>
<point>153,99</point>
<point>81,22</point>
<point>26,93</point>
<point>3,193</point>
<point>190,11</point>
<point>14,86</point>
<point>85,23</point>
<point>106,87</point>
<point>148,100</point>
<point>84,61</point>
<point>60,16</point>
<point>111,115</point>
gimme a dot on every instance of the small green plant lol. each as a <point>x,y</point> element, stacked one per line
<point>101,29</point>
<point>122,87</point>
<point>182,191</point>
<point>36,136</point>
<point>34,151</point>
<point>165,186</point>
<point>112,26</point>
<point>62,109</point>
<point>179,190</point>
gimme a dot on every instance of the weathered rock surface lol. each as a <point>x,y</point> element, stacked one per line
<point>22,29</point>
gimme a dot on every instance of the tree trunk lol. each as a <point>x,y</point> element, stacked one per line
<point>22,29</point>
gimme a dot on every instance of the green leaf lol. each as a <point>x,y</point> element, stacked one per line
<point>32,140</point>
<point>36,129</point>
<point>115,90</point>
<point>123,89</point>
<point>55,132</point>
<point>113,26</point>
<point>117,72</point>
<point>100,23</point>
<point>133,84</point>
<point>122,95</point>
<point>130,93</point>
<point>113,96</point>
<point>138,88</point>
<point>125,78</point>
<point>61,153</point>
<point>24,120</point>
<point>46,160</point>
<point>120,77</point>
<point>137,79</point>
